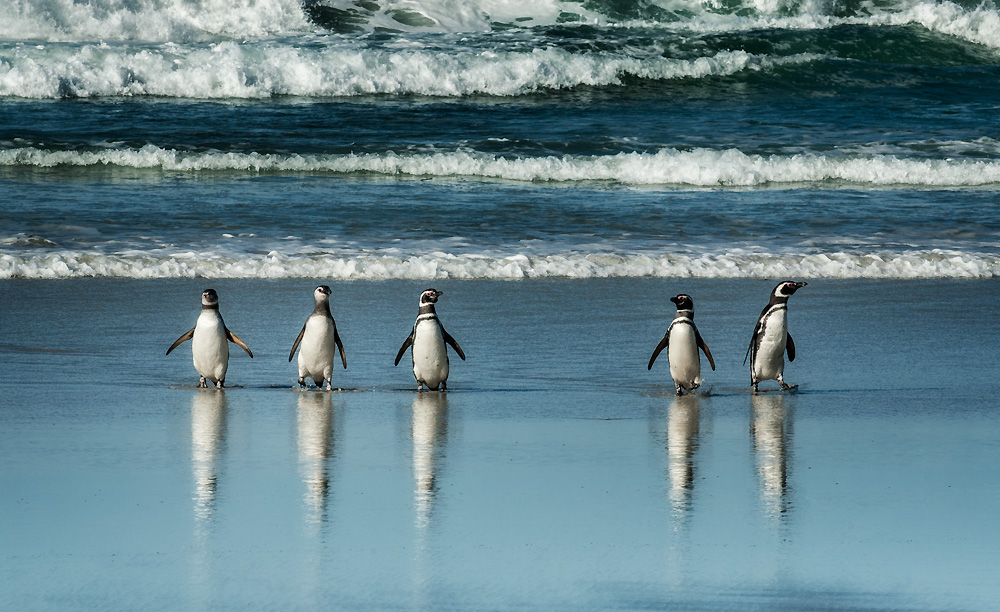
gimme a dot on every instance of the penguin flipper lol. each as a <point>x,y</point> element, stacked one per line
<point>790,347</point>
<point>659,347</point>
<point>184,338</point>
<point>453,343</point>
<point>753,341</point>
<point>295,344</point>
<point>704,349</point>
<point>406,344</point>
<point>336,340</point>
<point>243,345</point>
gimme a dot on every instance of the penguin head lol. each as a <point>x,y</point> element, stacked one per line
<point>787,288</point>
<point>209,298</point>
<point>683,301</point>
<point>429,296</point>
<point>322,293</point>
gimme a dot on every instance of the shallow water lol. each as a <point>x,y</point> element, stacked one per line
<point>557,474</point>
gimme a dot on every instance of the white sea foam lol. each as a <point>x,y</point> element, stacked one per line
<point>149,20</point>
<point>516,266</point>
<point>231,70</point>
<point>185,21</point>
<point>980,25</point>
<point>697,167</point>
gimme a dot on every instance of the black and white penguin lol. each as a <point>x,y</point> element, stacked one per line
<point>428,339</point>
<point>210,342</point>
<point>771,339</point>
<point>682,342</point>
<point>320,341</point>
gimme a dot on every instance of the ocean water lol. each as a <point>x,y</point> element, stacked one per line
<point>559,169</point>
<point>508,140</point>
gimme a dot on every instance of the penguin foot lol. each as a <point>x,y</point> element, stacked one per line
<point>220,384</point>
<point>420,386</point>
<point>754,387</point>
<point>679,390</point>
<point>202,383</point>
<point>329,387</point>
<point>302,381</point>
<point>785,386</point>
<point>444,386</point>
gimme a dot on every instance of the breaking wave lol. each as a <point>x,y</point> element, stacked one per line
<point>887,265</point>
<point>230,70</point>
<point>697,167</point>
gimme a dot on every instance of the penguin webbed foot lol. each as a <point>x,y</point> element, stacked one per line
<point>220,384</point>
<point>202,383</point>
<point>678,390</point>
<point>444,386</point>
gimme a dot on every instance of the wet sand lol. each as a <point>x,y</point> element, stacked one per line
<point>558,473</point>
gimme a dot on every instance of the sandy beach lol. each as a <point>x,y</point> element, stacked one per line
<point>558,473</point>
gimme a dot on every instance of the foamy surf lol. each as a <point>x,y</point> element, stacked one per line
<point>698,167</point>
<point>936,263</point>
<point>230,70</point>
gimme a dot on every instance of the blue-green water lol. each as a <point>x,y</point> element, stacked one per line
<point>499,140</point>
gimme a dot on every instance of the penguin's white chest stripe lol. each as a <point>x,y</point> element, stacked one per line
<point>318,349</point>
<point>209,346</point>
<point>770,361</point>
<point>430,357</point>
<point>682,352</point>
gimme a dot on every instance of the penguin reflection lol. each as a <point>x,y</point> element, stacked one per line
<point>771,430</point>
<point>430,432</point>
<point>315,439</point>
<point>208,433</point>
<point>682,442</point>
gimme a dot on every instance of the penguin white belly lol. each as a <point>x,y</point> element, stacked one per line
<point>209,346</point>
<point>430,359</point>
<point>769,362</point>
<point>685,365</point>
<point>317,350</point>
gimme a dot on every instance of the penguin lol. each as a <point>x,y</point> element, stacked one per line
<point>209,346</point>
<point>320,341</point>
<point>682,342</point>
<point>428,338</point>
<point>771,339</point>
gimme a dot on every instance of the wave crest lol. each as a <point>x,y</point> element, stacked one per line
<point>914,264</point>
<point>697,167</point>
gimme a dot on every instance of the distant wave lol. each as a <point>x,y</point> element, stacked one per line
<point>697,167</point>
<point>737,264</point>
<point>182,21</point>
<point>207,50</point>
<point>230,70</point>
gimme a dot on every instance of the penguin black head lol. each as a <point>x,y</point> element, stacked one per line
<point>429,296</point>
<point>209,298</point>
<point>322,292</point>
<point>786,288</point>
<point>684,302</point>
